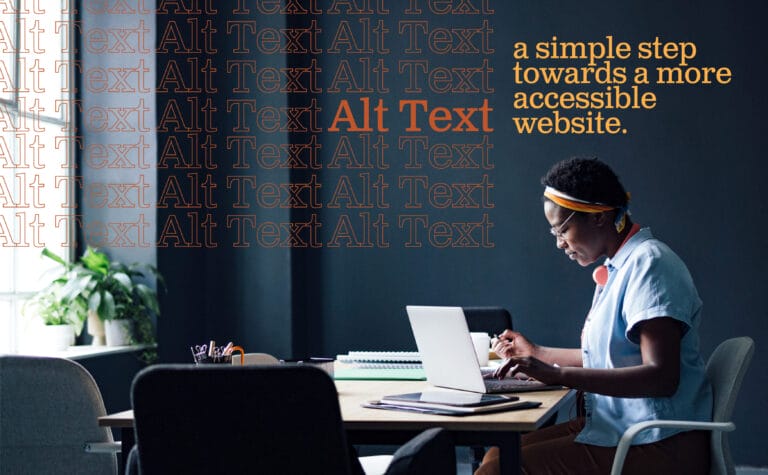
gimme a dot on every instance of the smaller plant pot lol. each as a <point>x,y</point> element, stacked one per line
<point>58,337</point>
<point>96,328</point>
<point>118,332</point>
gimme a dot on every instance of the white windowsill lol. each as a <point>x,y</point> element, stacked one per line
<point>80,352</point>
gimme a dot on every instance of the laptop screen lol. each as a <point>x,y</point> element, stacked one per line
<point>446,349</point>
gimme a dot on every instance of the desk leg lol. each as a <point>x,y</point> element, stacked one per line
<point>126,444</point>
<point>507,442</point>
<point>509,453</point>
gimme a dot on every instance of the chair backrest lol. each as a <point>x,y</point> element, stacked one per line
<point>491,320</point>
<point>432,451</point>
<point>48,412</point>
<point>725,371</point>
<point>255,359</point>
<point>233,419</point>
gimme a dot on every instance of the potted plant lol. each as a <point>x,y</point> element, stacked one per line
<point>102,290</point>
<point>62,307</point>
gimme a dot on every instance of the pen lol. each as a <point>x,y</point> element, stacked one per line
<point>211,348</point>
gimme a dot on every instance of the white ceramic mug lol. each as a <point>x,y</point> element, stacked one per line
<point>482,342</point>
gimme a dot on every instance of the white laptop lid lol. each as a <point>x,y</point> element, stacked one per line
<point>445,347</point>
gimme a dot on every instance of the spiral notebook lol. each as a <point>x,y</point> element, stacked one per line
<point>380,365</point>
<point>380,357</point>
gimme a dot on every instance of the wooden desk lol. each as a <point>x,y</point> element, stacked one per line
<point>375,426</point>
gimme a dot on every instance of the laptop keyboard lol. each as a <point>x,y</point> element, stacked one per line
<point>512,385</point>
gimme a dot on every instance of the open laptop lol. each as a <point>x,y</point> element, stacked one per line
<point>448,355</point>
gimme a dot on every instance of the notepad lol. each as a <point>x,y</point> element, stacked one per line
<point>453,411</point>
<point>386,365</point>
<point>359,357</point>
<point>380,365</point>
<point>345,372</point>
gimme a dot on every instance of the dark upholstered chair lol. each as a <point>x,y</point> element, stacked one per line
<point>252,419</point>
<point>491,320</point>
<point>48,419</point>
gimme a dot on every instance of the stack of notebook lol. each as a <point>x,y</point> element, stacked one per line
<point>451,403</point>
<point>395,365</point>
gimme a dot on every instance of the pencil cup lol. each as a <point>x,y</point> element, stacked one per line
<point>482,344</point>
<point>226,359</point>
<point>205,354</point>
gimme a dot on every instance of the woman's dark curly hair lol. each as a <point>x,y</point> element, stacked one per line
<point>587,179</point>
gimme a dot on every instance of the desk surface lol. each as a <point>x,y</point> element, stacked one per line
<point>353,393</point>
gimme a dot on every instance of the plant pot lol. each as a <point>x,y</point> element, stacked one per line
<point>58,337</point>
<point>118,332</point>
<point>96,329</point>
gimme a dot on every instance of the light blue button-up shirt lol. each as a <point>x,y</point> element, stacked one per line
<point>646,280</point>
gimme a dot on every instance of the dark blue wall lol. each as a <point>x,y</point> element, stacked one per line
<point>692,165</point>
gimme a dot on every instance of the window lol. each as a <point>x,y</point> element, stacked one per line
<point>35,151</point>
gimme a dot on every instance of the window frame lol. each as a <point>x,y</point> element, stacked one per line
<point>14,297</point>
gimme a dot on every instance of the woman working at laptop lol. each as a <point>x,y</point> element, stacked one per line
<point>639,357</point>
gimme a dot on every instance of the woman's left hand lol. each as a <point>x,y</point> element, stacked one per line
<point>532,367</point>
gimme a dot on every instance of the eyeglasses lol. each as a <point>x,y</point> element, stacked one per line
<point>557,232</point>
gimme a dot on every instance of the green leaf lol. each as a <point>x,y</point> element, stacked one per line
<point>95,261</point>
<point>75,316</point>
<point>50,255</point>
<point>75,286</point>
<point>148,297</point>
<point>79,310</point>
<point>107,307</point>
<point>94,301</point>
<point>124,280</point>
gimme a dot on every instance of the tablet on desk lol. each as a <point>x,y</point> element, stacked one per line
<point>458,399</point>
<point>452,403</point>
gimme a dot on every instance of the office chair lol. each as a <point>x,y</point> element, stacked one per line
<point>253,419</point>
<point>725,371</point>
<point>491,320</point>
<point>48,416</point>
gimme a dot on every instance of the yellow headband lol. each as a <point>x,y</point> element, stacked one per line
<point>575,204</point>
